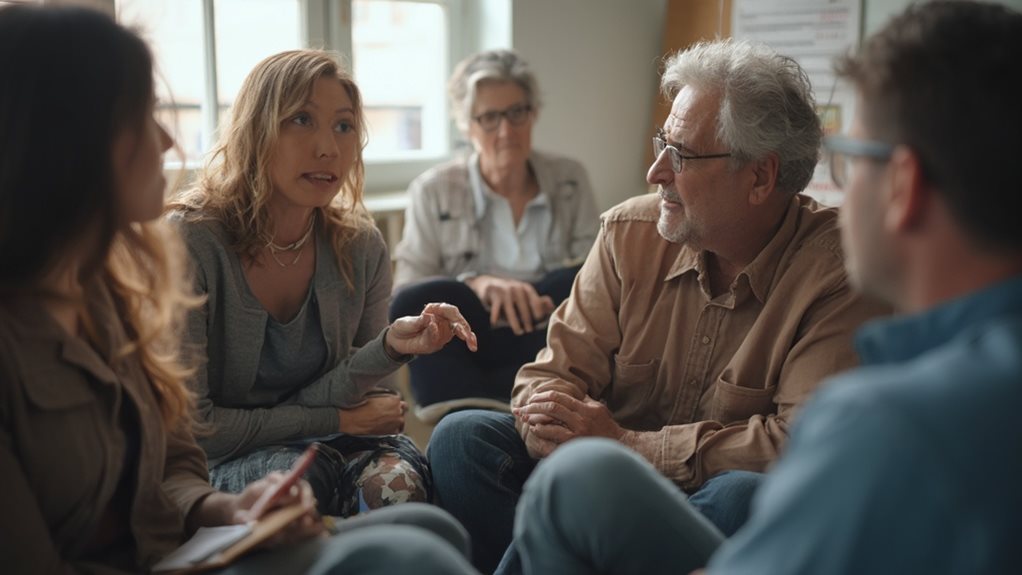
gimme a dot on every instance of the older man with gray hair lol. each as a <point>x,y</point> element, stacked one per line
<point>704,316</point>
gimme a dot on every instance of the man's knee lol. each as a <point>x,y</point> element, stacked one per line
<point>389,549</point>
<point>470,433</point>
<point>593,469</point>
<point>436,521</point>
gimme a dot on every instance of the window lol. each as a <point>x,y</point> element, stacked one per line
<point>401,53</point>
<point>190,76</point>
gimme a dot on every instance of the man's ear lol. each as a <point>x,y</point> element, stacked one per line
<point>908,195</point>
<point>765,172</point>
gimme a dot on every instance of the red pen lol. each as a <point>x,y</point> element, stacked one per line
<point>271,495</point>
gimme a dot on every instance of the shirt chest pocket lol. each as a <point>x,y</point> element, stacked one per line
<point>733,403</point>
<point>68,427</point>
<point>459,239</point>
<point>52,390</point>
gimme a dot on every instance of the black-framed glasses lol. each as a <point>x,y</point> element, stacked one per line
<point>660,144</point>
<point>516,115</point>
<point>841,150</point>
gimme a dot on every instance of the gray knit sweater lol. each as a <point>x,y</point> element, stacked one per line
<point>226,335</point>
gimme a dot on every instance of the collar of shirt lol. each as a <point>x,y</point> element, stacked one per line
<point>481,192</point>
<point>902,338</point>
<point>760,273</point>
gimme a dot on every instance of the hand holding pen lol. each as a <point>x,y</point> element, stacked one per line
<point>278,490</point>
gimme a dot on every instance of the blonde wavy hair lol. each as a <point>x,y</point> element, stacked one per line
<point>147,274</point>
<point>46,222</point>
<point>234,187</point>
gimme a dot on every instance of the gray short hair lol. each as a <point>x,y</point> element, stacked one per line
<point>489,66</point>
<point>766,104</point>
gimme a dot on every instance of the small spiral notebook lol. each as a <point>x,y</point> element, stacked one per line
<point>216,547</point>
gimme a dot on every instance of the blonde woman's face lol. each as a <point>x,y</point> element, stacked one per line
<point>138,169</point>
<point>316,148</point>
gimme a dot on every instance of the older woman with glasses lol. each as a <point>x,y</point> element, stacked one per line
<point>499,232</point>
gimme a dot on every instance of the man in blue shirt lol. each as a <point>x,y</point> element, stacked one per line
<point>910,463</point>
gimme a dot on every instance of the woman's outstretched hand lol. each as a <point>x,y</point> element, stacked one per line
<point>430,331</point>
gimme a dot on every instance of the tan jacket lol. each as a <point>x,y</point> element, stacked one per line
<point>91,480</point>
<point>712,382</point>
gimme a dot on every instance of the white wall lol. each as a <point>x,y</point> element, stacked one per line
<point>596,63</point>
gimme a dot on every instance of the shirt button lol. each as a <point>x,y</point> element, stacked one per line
<point>706,339</point>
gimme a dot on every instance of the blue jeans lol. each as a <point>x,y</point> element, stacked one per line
<point>454,372</point>
<point>480,466</point>
<point>725,499</point>
<point>595,506</point>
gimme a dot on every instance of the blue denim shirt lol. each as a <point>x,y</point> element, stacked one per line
<point>908,464</point>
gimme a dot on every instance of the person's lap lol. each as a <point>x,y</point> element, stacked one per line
<point>343,483</point>
<point>480,466</point>
<point>595,506</point>
<point>405,538</point>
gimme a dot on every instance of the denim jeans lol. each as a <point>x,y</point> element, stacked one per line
<point>454,372</point>
<point>480,466</point>
<point>595,506</point>
<point>725,499</point>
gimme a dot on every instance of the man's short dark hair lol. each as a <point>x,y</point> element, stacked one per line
<point>943,78</point>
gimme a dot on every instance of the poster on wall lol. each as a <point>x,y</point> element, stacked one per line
<point>813,32</point>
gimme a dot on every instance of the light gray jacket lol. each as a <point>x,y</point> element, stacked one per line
<point>226,334</point>
<point>442,222</point>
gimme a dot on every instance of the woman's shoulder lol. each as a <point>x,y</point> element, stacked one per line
<point>366,241</point>
<point>204,235</point>
<point>197,225</point>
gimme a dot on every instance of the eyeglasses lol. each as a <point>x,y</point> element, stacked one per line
<point>842,150</point>
<point>660,144</point>
<point>516,115</point>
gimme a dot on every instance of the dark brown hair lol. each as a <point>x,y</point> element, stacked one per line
<point>942,78</point>
<point>74,82</point>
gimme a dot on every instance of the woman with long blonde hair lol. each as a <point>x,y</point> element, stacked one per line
<point>101,473</point>
<point>297,279</point>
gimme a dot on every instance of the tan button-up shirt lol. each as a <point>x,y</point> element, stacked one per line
<point>92,481</point>
<point>711,383</point>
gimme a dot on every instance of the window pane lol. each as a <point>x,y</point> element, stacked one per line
<point>173,29</point>
<point>248,31</point>
<point>400,54</point>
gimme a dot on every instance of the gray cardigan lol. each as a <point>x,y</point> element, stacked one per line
<point>226,334</point>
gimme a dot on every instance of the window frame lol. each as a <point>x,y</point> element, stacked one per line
<point>327,24</point>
